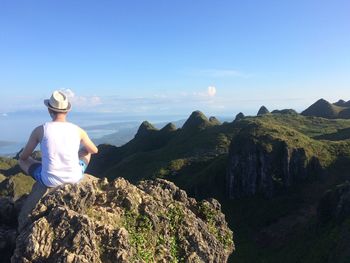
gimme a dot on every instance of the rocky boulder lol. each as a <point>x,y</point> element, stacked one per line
<point>101,221</point>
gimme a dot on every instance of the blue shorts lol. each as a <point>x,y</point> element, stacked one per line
<point>35,170</point>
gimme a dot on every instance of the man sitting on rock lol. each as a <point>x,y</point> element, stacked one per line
<point>60,141</point>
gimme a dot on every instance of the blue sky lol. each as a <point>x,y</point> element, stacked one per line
<point>157,56</point>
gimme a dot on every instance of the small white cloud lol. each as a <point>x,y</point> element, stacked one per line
<point>211,91</point>
<point>81,101</point>
<point>95,100</point>
<point>86,101</point>
<point>68,92</point>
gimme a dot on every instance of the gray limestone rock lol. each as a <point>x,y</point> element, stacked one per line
<point>101,221</point>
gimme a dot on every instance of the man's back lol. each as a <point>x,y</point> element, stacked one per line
<point>59,146</point>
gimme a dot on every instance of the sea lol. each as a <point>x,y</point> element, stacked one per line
<point>16,127</point>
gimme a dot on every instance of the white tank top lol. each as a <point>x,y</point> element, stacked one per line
<point>59,147</point>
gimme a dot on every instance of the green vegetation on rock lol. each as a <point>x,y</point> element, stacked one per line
<point>13,183</point>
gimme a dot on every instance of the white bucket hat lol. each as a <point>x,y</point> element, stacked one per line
<point>58,102</point>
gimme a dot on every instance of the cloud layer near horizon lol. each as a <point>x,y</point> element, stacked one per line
<point>208,100</point>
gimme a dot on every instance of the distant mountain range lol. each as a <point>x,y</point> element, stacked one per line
<point>125,131</point>
<point>5,143</point>
<point>270,172</point>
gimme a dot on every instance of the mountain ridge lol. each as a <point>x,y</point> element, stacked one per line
<point>298,152</point>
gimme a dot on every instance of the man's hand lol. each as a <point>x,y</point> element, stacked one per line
<point>89,146</point>
<point>83,151</point>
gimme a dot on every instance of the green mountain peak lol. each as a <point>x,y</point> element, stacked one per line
<point>197,120</point>
<point>324,109</point>
<point>263,110</point>
<point>145,128</point>
<point>169,127</point>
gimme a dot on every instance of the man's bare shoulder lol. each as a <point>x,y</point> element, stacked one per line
<point>40,128</point>
<point>38,132</point>
<point>82,131</point>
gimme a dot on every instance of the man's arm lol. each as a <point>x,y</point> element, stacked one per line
<point>33,141</point>
<point>90,147</point>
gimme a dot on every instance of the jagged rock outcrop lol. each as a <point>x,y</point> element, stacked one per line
<point>263,110</point>
<point>101,221</point>
<point>255,168</point>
